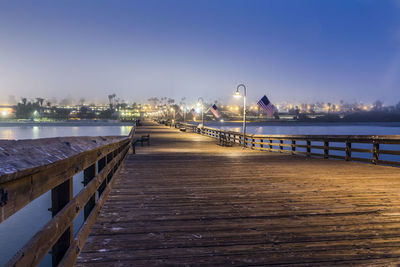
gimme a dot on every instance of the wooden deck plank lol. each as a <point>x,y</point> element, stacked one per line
<point>186,201</point>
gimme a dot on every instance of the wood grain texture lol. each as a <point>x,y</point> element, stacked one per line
<point>186,201</point>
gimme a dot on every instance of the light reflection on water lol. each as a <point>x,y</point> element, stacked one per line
<point>312,129</point>
<point>35,132</point>
<point>7,134</point>
<point>20,227</point>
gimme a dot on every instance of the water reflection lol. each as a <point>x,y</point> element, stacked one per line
<point>323,129</point>
<point>34,132</point>
<point>125,130</point>
<point>7,134</point>
<point>259,130</point>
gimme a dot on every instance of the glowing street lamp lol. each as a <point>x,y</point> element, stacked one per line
<point>238,95</point>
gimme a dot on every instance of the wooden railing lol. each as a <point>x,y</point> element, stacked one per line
<point>99,166</point>
<point>364,148</point>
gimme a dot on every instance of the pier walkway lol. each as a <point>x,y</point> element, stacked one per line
<point>184,200</point>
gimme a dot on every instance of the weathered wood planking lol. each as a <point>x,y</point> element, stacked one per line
<point>186,201</point>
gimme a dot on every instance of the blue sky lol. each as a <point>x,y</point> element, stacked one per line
<point>291,50</point>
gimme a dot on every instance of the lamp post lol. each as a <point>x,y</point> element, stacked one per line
<point>202,111</point>
<point>237,95</point>
<point>173,120</point>
<point>183,108</point>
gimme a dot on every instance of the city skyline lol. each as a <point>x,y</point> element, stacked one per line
<point>294,51</point>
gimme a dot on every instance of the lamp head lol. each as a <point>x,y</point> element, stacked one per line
<point>237,94</point>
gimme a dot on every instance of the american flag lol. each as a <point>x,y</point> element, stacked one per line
<point>266,105</point>
<point>193,112</point>
<point>215,111</point>
<point>181,113</point>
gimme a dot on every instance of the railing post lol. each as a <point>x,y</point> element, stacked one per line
<point>293,147</point>
<point>88,174</point>
<point>107,160</point>
<point>308,148</point>
<point>252,144</point>
<point>270,145</point>
<point>326,149</point>
<point>375,155</point>
<point>60,196</point>
<point>280,146</point>
<point>348,151</point>
<point>261,141</point>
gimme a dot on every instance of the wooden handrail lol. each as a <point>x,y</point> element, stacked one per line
<point>99,165</point>
<point>277,143</point>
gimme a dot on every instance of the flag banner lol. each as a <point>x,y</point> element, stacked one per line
<point>181,113</point>
<point>266,105</point>
<point>193,112</point>
<point>215,111</point>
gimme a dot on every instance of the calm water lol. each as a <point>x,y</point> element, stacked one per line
<point>34,132</point>
<point>20,227</point>
<point>299,128</point>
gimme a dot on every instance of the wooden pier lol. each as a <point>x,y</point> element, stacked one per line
<point>184,200</point>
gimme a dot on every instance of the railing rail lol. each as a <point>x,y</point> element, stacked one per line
<point>324,146</point>
<point>99,166</point>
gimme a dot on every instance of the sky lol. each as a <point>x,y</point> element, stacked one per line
<point>290,50</point>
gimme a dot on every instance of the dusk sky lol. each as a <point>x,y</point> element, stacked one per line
<point>291,50</point>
